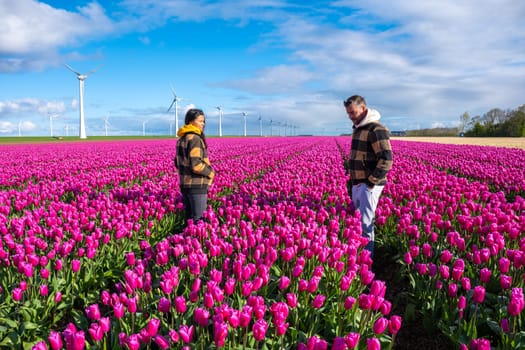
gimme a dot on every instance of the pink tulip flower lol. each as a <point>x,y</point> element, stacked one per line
<point>291,300</point>
<point>93,312</point>
<point>373,344</point>
<point>58,297</point>
<point>153,327</point>
<point>220,333</point>
<point>318,301</point>
<point>17,294</point>
<point>55,340</point>
<point>394,325</point>
<point>105,324</point>
<point>174,336</point>
<point>161,342</point>
<point>505,281</point>
<point>164,305</point>
<point>517,302</point>
<point>380,325</point>
<point>485,275</point>
<point>41,345</point>
<point>201,316</point>
<point>259,329</point>
<point>95,332</point>
<point>352,340</point>
<point>75,265</point>
<point>44,290</point>
<point>479,294</point>
<point>186,333</point>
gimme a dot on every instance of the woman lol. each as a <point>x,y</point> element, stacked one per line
<point>191,160</point>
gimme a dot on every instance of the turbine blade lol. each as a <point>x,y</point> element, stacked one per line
<point>171,105</point>
<point>173,90</point>
<point>71,69</point>
<point>93,70</point>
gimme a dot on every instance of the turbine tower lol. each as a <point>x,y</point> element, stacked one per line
<point>244,114</point>
<point>144,127</point>
<point>220,119</point>
<point>81,78</point>
<point>260,125</point>
<point>175,102</point>
<point>51,117</point>
<point>106,124</point>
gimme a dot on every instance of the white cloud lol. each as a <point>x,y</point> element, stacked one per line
<point>33,32</point>
<point>29,107</point>
<point>274,80</point>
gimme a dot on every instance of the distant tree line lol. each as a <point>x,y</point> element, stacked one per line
<point>440,132</point>
<point>496,123</point>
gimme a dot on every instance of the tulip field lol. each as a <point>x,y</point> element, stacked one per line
<point>95,254</point>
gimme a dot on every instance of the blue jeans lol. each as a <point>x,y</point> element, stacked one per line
<point>365,200</point>
<point>195,205</point>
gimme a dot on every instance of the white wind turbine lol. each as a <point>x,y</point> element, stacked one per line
<point>220,119</point>
<point>106,124</point>
<point>51,117</point>
<point>175,102</point>
<point>66,127</point>
<point>144,127</point>
<point>244,114</point>
<point>19,128</point>
<point>81,78</point>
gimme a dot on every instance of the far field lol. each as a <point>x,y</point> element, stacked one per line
<point>509,142</point>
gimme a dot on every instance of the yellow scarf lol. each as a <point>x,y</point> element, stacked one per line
<point>187,129</point>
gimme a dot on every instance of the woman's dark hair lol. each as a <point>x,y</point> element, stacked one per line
<point>191,115</point>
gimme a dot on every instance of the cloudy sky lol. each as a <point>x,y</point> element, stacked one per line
<point>287,65</point>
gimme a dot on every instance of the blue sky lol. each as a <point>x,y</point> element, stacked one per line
<point>289,63</point>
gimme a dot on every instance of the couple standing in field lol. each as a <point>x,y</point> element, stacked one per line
<point>369,161</point>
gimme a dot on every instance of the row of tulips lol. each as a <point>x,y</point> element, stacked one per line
<point>462,245</point>
<point>90,255</point>
<point>499,168</point>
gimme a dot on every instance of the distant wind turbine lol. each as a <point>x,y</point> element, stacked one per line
<point>81,78</point>
<point>144,127</point>
<point>220,119</point>
<point>51,117</point>
<point>244,114</point>
<point>260,125</point>
<point>106,124</point>
<point>66,127</point>
<point>175,102</point>
<point>19,128</point>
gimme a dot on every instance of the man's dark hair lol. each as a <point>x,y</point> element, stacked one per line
<point>355,99</point>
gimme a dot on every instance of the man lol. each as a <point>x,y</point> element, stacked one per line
<point>369,162</point>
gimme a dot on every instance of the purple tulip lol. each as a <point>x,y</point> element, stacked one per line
<point>352,340</point>
<point>259,329</point>
<point>55,340</point>
<point>95,332</point>
<point>318,301</point>
<point>220,333</point>
<point>41,345</point>
<point>186,333</point>
<point>17,294</point>
<point>479,294</point>
<point>75,265</point>
<point>161,342</point>
<point>93,312</point>
<point>201,316</point>
<point>373,344</point>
